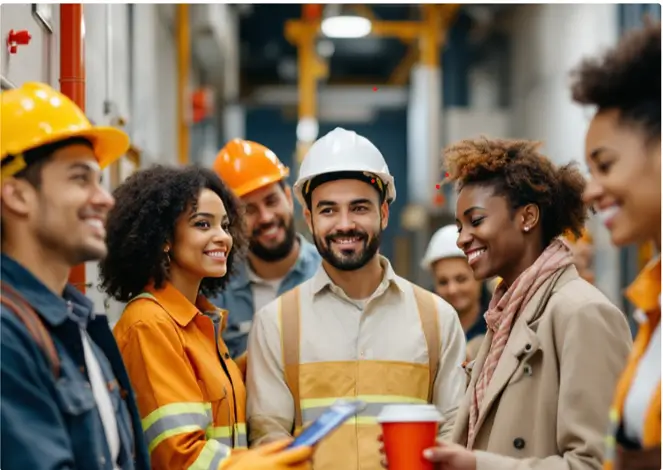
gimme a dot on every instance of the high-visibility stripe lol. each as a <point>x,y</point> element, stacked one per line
<point>313,408</point>
<point>173,419</point>
<point>211,456</point>
<point>169,423</point>
<point>241,439</point>
<point>232,436</point>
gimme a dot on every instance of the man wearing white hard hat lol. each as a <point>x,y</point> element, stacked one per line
<point>355,329</point>
<point>455,283</point>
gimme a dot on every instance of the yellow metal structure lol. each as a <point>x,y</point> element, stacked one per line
<point>429,34</point>
<point>183,67</point>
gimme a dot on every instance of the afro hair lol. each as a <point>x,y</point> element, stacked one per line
<point>626,78</point>
<point>148,205</point>
<point>517,171</point>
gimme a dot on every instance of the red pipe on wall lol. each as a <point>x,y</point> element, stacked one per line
<point>72,81</point>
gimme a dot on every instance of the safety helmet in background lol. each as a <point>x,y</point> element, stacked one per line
<point>246,166</point>
<point>35,115</point>
<point>343,151</point>
<point>442,245</point>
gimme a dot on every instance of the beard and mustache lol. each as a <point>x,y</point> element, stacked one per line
<point>349,259</point>
<point>279,251</point>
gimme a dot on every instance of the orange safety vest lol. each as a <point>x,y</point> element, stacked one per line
<point>315,386</point>
<point>190,393</point>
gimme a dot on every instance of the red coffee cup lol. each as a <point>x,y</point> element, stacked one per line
<point>407,430</point>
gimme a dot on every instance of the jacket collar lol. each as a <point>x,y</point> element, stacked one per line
<point>53,308</point>
<point>180,308</point>
<point>307,254</point>
<point>645,290</point>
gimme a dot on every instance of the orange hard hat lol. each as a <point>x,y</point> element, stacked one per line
<point>246,166</point>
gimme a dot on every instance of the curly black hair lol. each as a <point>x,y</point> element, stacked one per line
<point>143,220</point>
<point>517,171</point>
<point>626,78</point>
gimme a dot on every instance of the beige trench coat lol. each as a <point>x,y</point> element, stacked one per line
<point>546,407</point>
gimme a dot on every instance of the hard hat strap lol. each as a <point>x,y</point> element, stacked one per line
<point>12,164</point>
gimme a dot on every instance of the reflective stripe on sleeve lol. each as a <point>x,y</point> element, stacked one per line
<point>211,456</point>
<point>173,419</point>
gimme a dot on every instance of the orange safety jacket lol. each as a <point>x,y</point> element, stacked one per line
<point>190,393</point>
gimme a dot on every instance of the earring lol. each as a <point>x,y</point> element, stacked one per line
<point>167,253</point>
<point>527,229</point>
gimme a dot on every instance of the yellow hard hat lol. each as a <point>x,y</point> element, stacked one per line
<point>35,115</point>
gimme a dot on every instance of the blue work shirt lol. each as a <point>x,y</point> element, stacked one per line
<point>237,298</point>
<point>54,424</point>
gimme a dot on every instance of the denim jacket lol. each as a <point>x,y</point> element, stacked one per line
<point>54,424</point>
<point>237,298</point>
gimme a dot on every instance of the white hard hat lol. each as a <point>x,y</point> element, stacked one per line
<point>442,245</point>
<point>342,150</point>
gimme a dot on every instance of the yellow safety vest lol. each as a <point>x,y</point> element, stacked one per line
<point>315,386</point>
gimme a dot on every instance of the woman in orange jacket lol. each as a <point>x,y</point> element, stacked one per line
<point>623,152</point>
<point>173,237</point>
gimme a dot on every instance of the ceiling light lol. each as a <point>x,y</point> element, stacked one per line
<point>346,26</point>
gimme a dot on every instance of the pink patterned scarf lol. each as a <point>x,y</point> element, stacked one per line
<point>504,307</point>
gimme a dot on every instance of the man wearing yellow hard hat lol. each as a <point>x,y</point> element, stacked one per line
<point>279,258</point>
<point>66,397</point>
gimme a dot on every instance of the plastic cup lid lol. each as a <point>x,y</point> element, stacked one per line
<point>409,414</point>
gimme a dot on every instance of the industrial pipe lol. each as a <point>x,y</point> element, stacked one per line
<point>72,82</point>
<point>183,68</point>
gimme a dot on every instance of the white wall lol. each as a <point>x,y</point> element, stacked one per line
<point>37,61</point>
<point>548,41</point>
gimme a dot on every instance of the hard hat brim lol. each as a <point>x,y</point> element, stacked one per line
<point>109,143</point>
<point>258,183</point>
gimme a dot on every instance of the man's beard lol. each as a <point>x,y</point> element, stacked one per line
<point>350,261</point>
<point>278,252</point>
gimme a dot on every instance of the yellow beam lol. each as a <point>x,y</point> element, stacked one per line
<point>183,67</point>
<point>444,15</point>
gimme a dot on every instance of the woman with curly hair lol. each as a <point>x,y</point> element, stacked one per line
<point>623,153</point>
<point>542,380</point>
<point>173,236</point>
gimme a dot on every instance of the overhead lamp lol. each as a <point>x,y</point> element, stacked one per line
<point>339,22</point>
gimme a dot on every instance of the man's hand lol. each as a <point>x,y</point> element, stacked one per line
<point>451,457</point>
<point>272,456</point>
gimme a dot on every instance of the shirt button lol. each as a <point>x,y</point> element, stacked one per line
<point>102,460</point>
<point>528,347</point>
<point>519,443</point>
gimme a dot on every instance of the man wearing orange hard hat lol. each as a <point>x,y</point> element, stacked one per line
<point>62,375</point>
<point>279,259</point>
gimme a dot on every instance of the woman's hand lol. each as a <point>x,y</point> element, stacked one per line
<point>272,456</point>
<point>451,457</point>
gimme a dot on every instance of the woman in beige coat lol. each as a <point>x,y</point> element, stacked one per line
<point>543,379</point>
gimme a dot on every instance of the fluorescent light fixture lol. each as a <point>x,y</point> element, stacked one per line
<point>346,26</point>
